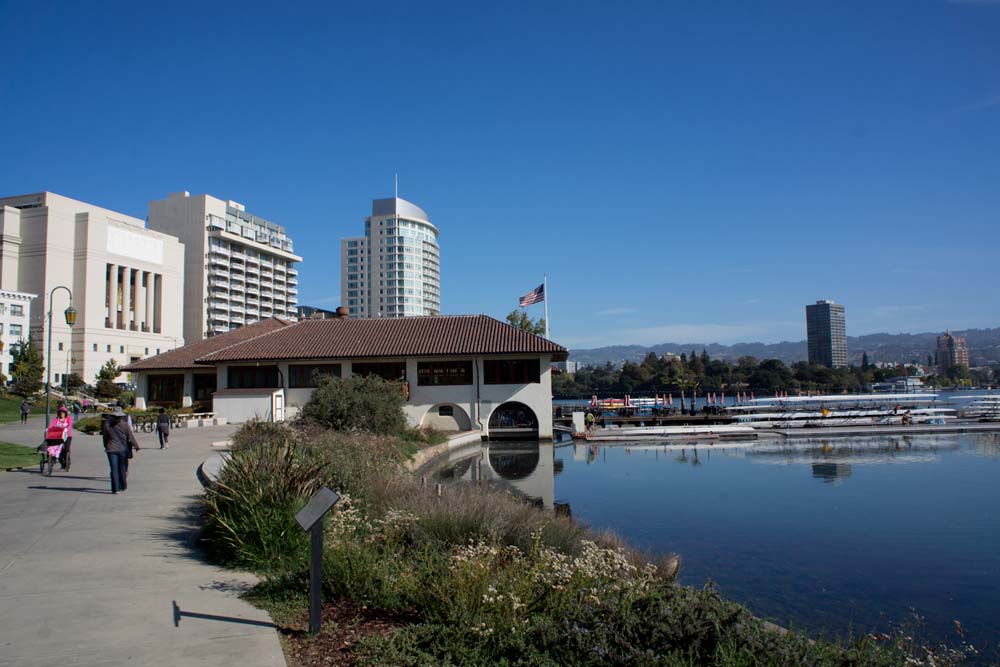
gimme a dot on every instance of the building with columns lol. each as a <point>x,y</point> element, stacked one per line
<point>127,281</point>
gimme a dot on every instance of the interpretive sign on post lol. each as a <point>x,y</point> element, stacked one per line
<point>310,518</point>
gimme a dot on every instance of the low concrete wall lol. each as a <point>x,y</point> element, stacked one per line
<point>425,456</point>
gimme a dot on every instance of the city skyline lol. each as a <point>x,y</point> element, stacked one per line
<point>672,184</point>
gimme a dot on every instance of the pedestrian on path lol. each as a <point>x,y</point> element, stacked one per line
<point>62,424</point>
<point>25,409</point>
<point>163,428</point>
<point>118,439</point>
<point>76,410</point>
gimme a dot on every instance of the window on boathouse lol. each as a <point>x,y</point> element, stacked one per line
<point>387,370</point>
<point>511,371</point>
<point>165,388</point>
<point>303,376</point>
<point>440,373</point>
<point>252,377</point>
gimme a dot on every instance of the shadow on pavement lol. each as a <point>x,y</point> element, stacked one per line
<point>184,526</point>
<point>178,614</point>
<point>78,489</point>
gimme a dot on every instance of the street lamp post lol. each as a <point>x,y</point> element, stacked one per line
<point>70,314</point>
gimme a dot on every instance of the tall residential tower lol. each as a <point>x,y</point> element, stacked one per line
<point>951,351</point>
<point>394,270</point>
<point>238,267</point>
<point>826,334</point>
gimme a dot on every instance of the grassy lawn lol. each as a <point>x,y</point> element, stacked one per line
<point>10,409</point>
<point>16,456</point>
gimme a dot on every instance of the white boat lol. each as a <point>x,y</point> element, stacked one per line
<point>984,408</point>
<point>842,410</point>
<point>686,433</point>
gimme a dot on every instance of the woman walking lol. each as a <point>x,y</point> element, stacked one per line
<point>163,428</point>
<point>64,425</point>
<point>118,439</point>
<point>25,408</point>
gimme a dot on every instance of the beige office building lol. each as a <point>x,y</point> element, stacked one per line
<point>126,280</point>
<point>239,268</point>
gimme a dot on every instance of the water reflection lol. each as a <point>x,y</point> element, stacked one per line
<point>987,444</point>
<point>831,473</point>
<point>527,468</point>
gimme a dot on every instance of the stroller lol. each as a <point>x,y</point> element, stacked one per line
<point>52,448</point>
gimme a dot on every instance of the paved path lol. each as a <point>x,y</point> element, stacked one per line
<point>88,578</point>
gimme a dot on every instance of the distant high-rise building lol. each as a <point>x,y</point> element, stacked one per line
<point>951,351</point>
<point>826,334</point>
<point>238,267</point>
<point>394,270</point>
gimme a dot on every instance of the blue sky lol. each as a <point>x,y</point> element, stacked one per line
<point>687,172</point>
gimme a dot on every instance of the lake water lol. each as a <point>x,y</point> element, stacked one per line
<point>823,535</point>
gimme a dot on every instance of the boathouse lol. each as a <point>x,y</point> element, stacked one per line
<point>461,373</point>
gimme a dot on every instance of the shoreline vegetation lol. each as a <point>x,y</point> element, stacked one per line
<point>476,576</point>
<point>699,373</point>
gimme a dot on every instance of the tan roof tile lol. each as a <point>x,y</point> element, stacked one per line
<point>388,337</point>
<point>184,357</point>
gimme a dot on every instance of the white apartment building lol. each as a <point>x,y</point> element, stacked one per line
<point>126,281</point>
<point>15,313</point>
<point>239,268</point>
<point>394,270</point>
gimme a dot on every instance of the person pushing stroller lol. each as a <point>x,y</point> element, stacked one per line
<point>58,438</point>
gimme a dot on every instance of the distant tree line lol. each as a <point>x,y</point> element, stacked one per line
<point>699,373</point>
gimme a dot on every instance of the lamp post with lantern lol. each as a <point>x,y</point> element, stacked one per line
<point>70,314</point>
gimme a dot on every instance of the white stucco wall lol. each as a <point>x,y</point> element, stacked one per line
<point>241,407</point>
<point>537,396</point>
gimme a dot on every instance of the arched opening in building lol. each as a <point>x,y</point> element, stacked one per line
<point>513,420</point>
<point>446,417</point>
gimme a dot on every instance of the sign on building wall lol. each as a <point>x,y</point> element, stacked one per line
<point>137,246</point>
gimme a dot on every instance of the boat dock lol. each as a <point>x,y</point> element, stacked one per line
<point>956,426</point>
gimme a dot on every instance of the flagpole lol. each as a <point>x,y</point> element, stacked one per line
<point>545,293</point>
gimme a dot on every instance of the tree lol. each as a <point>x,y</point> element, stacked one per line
<point>519,318</point>
<point>73,382</point>
<point>106,387</point>
<point>27,368</point>
<point>864,361</point>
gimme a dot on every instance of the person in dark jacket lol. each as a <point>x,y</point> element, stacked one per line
<point>118,438</point>
<point>25,409</point>
<point>163,428</point>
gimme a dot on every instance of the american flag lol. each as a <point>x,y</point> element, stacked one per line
<point>534,296</point>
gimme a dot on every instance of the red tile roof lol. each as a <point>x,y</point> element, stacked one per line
<point>184,357</point>
<point>388,337</point>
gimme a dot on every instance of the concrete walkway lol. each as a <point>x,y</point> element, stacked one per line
<point>88,578</point>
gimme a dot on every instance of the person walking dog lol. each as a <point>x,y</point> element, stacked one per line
<point>163,428</point>
<point>118,439</point>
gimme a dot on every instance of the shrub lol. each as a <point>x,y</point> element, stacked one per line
<point>353,404</point>
<point>89,425</point>
<point>250,510</point>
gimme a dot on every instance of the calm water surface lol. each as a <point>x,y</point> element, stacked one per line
<point>826,535</point>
